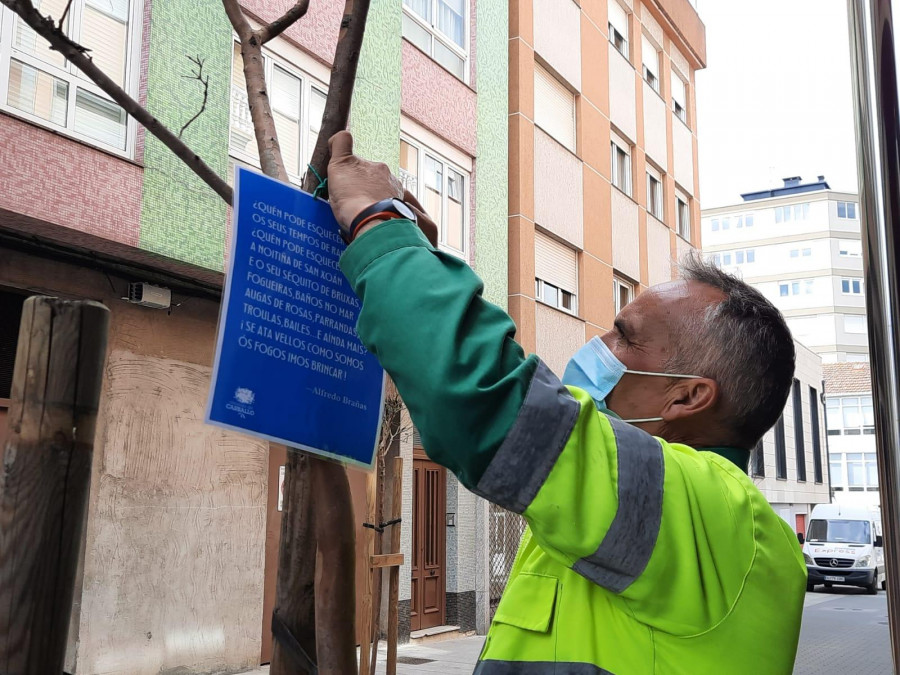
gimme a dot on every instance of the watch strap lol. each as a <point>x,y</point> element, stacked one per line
<point>386,209</point>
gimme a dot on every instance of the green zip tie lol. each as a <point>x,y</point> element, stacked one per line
<point>323,182</point>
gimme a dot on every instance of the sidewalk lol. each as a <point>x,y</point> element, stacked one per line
<point>454,657</point>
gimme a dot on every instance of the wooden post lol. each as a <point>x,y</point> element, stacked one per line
<point>365,624</point>
<point>394,574</point>
<point>46,477</point>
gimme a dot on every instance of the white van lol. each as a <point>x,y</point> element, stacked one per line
<point>843,546</point>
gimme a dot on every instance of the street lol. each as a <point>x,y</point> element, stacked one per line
<point>844,630</point>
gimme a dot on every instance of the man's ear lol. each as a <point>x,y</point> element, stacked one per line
<point>690,397</point>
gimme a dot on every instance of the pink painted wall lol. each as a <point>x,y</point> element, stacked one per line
<point>92,192</point>
<point>438,100</point>
<point>316,32</point>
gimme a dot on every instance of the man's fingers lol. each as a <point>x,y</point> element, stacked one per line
<point>341,145</point>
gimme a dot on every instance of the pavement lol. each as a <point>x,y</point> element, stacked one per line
<point>844,631</point>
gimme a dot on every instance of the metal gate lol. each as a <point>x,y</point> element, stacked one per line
<point>506,532</point>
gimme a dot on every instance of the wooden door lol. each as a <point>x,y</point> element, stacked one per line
<point>428,575</point>
<point>801,524</point>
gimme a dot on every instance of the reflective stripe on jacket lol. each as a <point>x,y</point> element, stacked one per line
<point>640,556</point>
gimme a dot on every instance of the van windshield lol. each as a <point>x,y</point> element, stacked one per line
<point>848,531</point>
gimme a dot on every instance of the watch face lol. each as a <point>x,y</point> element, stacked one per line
<point>404,210</point>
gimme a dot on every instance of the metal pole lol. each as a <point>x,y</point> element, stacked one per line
<point>878,150</point>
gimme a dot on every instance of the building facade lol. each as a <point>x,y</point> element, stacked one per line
<point>182,528</point>
<point>851,435</point>
<point>788,464</point>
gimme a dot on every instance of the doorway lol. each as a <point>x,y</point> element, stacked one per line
<point>801,523</point>
<point>428,573</point>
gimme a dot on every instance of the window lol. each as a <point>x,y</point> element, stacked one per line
<point>621,164</point>
<point>45,88</point>
<point>618,27</point>
<point>726,223</point>
<point>441,188</point>
<point>297,107</point>
<point>849,416</point>
<point>554,107</point>
<point>786,214</point>
<point>679,98</point>
<point>650,58</point>
<point>855,471</point>
<point>816,438</point>
<point>715,259</point>
<point>852,286</point>
<point>850,248</point>
<point>654,193</point>
<point>780,456</point>
<point>715,224</point>
<point>556,273</point>
<point>846,210</point>
<point>799,446</point>
<point>747,255</point>
<point>682,217</point>
<point>758,460</point>
<point>438,28</point>
<point>797,252</point>
<point>623,293</point>
<point>748,220</point>
<point>726,258</point>
<point>805,286</point>
<point>854,324</point>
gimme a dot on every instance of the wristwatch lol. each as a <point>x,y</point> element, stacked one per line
<point>386,209</point>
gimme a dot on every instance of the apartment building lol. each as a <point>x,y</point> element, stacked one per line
<point>851,435</point>
<point>788,464</point>
<point>182,528</point>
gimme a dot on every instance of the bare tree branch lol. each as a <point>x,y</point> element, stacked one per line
<point>197,75</point>
<point>270,158</point>
<point>74,52</point>
<point>65,13</point>
<point>278,26</point>
<point>238,20</point>
<point>340,88</point>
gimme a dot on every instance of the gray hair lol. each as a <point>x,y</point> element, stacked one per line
<point>744,344</point>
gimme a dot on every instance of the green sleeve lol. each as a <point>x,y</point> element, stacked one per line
<point>450,352</point>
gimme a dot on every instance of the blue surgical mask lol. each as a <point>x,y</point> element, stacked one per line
<point>597,370</point>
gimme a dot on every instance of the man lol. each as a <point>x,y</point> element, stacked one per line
<point>649,550</point>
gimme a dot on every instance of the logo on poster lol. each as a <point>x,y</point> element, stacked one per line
<point>243,402</point>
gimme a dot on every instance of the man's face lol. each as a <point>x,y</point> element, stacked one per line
<point>642,339</point>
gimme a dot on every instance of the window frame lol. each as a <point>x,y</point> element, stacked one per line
<point>308,82</point>
<point>816,434</point>
<point>73,77</point>
<point>620,283</point>
<point>437,34</point>
<point>616,143</point>
<point>866,460</point>
<point>851,281</point>
<point>424,151</point>
<point>540,284</point>
<point>623,47</point>
<point>799,440</point>
<point>848,206</point>
<point>679,109</point>
<point>655,193</point>
<point>682,209</point>
<point>834,415</point>
<point>653,80</point>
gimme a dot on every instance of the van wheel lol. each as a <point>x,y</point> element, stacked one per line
<point>872,589</point>
<point>810,587</point>
<point>884,584</point>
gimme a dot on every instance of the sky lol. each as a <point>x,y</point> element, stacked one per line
<point>775,98</point>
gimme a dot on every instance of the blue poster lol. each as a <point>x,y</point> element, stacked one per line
<point>289,367</point>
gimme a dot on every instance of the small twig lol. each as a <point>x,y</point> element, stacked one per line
<point>65,13</point>
<point>197,75</point>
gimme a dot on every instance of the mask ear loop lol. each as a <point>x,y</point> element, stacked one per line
<point>644,372</point>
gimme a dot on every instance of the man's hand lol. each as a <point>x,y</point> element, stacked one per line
<point>354,184</point>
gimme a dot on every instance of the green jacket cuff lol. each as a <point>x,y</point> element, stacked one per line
<point>372,244</point>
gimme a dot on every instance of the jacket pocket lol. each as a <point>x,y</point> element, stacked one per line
<point>528,602</point>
